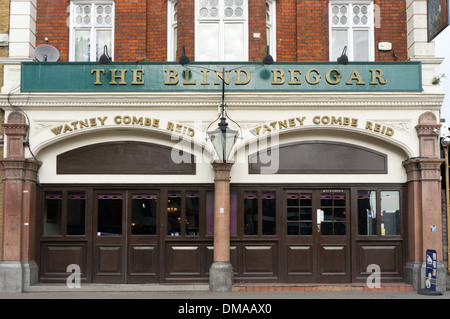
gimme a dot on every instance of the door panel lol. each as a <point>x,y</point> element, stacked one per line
<point>142,230</point>
<point>333,241</point>
<point>109,237</point>
<point>300,231</point>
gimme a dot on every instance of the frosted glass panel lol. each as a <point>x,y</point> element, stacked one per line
<point>82,45</point>
<point>103,38</point>
<point>234,42</point>
<point>361,45</point>
<point>208,42</point>
<point>338,41</point>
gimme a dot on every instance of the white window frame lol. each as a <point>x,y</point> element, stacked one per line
<point>271,25</point>
<point>350,27</point>
<point>172,25</point>
<point>221,21</point>
<point>93,28</point>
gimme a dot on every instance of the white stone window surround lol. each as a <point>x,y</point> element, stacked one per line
<point>172,29</point>
<point>353,17</point>
<point>217,22</point>
<point>92,21</point>
<point>271,27</point>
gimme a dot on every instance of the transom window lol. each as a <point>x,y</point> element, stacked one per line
<point>351,25</point>
<point>221,30</point>
<point>91,29</point>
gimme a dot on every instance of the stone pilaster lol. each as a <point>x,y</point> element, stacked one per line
<point>221,271</point>
<point>18,269</point>
<point>424,204</point>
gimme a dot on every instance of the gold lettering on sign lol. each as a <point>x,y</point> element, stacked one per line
<point>137,77</point>
<point>239,81</point>
<point>121,76</point>
<point>295,77</point>
<point>171,77</point>
<point>377,77</point>
<point>97,75</point>
<point>356,76</point>
<point>278,77</point>
<point>316,77</point>
<point>379,128</point>
<point>336,76</point>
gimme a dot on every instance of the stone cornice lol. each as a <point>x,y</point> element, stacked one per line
<point>187,100</point>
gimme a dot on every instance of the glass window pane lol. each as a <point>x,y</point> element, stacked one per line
<point>175,43</point>
<point>192,213</point>
<point>269,209</point>
<point>305,228</point>
<point>103,39</point>
<point>251,213</point>
<point>76,213</point>
<point>174,213</point>
<point>390,213</point>
<point>53,213</point>
<point>208,42</point>
<point>209,213</point>
<point>233,213</point>
<point>143,214</point>
<point>109,215</point>
<point>361,45</point>
<point>292,228</point>
<point>292,199</point>
<point>82,45</point>
<point>234,42</point>
<point>339,39</point>
<point>367,212</point>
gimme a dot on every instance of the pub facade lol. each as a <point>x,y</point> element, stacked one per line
<point>108,166</point>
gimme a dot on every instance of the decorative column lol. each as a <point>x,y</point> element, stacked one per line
<point>424,204</point>
<point>221,271</point>
<point>18,270</point>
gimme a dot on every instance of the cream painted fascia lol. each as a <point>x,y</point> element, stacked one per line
<point>400,111</point>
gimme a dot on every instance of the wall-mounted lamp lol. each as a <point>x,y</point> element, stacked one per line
<point>105,58</point>
<point>343,59</point>
<point>184,58</point>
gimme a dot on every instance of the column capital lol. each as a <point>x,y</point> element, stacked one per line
<point>222,170</point>
<point>423,169</point>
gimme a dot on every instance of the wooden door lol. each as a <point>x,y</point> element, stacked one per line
<point>333,240</point>
<point>317,236</point>
<point>143,233</point>
<point>109,248</point>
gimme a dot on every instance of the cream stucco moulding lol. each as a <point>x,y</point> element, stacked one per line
<point>188,100</point>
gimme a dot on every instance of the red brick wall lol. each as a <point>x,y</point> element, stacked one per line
<point>52,22</point>
<point>286,30</point>
<point>130,30</point>
<point>393,29</point>
<point>302,29</point>
<point>312,30</point>
<point>257,24</point>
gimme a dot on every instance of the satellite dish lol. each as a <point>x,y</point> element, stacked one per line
<point>46,53</point>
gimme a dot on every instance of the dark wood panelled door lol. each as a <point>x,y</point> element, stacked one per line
<point>333,240</point>
<point>143,231</point>
<point>126,237</point>
<point>109,237</point>
<point>317,236</point>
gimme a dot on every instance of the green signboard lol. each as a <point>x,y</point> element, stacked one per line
<point>238,77</point>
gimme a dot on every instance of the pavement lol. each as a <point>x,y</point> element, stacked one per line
<point>201,293</point>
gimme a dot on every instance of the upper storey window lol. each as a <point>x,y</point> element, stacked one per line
<point>91,29</point>
<point>352,25</point>
<point>221,32</point>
